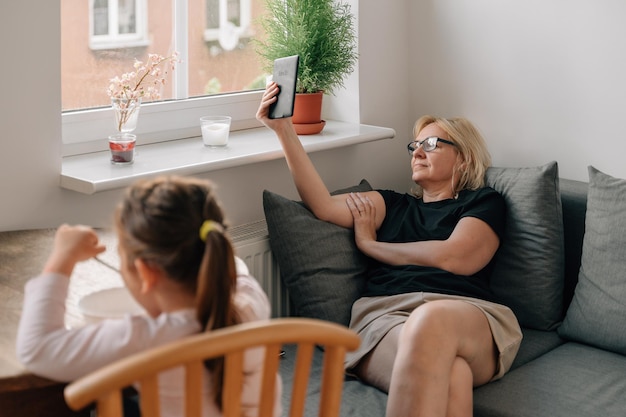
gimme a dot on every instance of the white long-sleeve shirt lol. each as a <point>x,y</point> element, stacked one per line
<point>47,348</point>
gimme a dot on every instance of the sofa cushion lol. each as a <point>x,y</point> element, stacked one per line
<point>597,313</point>
<point>572,380</point>
<point>528,272</point>
<point>534,344</point>
<point>320,265</point>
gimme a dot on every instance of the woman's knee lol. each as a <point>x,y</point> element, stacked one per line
<point>464,332</point>
<point>434,317</point>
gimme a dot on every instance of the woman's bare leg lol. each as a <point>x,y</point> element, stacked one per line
<point>375,367</point>
<point>440,346</point>
<point>461,395</point>
<point>375,370</point>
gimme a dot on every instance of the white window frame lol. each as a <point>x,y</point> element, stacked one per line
<point>114,39</point>
<point>85,131</point>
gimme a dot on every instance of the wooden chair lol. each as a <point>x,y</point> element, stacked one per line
<point>104,386</point>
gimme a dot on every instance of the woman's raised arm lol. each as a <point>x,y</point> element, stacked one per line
<point>309,184</point>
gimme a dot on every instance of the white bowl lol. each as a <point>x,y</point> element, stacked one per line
<point>112,303</point>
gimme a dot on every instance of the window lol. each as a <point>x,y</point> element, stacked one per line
<point>211,79</point>
<point>117,23</point>
<point>101,39</point>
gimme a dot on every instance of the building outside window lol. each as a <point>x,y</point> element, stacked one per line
<point>101,39</point>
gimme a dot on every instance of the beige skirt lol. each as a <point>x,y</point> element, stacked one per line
<point>373,317</point>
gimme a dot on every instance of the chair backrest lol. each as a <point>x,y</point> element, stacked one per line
<point>105,385</point>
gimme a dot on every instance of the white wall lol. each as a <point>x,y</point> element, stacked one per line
<point>29,107</point>
<point>31,125</point>
<point>543,79</point>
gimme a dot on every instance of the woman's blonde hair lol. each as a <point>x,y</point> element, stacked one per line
<point>472,149</point>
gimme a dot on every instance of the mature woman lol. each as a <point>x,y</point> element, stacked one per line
<point>430,331</point>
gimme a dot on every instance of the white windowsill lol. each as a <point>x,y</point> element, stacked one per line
<point>93,172</point>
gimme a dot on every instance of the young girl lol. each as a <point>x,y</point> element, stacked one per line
<point>178,263</point>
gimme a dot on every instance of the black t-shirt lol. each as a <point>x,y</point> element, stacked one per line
<point>409,219</point>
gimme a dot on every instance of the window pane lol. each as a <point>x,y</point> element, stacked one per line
<point>212,14</point>
<point>126,16</point>
<point>101,17</point>
<point>221,55</point>
<point>234,12</point>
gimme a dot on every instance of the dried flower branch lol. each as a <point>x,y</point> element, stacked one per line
<point>144,82</point>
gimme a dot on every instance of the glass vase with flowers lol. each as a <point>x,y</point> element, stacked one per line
<point>131,88</point>
<point>127,92</point>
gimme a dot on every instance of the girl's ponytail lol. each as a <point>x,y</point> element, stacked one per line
<point>217,280</point>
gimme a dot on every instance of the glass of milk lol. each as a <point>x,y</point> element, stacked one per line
<point>215,130</point>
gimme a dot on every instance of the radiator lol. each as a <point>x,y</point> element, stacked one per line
<point>251,243</point>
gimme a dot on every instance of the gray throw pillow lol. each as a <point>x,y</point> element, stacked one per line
<point>320,265</point>
<point>529,268</point>
<point>597,313</point>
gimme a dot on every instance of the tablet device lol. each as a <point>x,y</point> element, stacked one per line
<point>285,75</point>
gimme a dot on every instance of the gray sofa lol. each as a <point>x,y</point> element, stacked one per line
<point>572,361</point>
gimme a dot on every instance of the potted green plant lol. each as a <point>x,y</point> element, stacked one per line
<point>322,33</point>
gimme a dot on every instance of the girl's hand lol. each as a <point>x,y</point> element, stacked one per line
<point>262,114</point>
<point>72,244</point>
<point>364,214</point>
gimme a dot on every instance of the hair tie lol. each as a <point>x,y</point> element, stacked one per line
<point>207,227</point>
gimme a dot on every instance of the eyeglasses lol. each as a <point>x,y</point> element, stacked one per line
<point>428,144</point>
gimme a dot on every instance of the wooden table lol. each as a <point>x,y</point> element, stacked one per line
<point>22,255</point>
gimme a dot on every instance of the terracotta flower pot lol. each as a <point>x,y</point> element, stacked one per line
<point>307,113</point>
